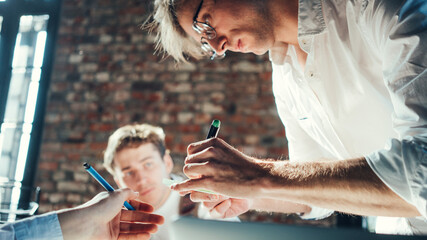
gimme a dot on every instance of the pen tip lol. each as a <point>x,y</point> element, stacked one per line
<point>86,165</point>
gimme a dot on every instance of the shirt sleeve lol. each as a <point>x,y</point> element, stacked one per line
<point>35,228</point>
<point>400,32</point>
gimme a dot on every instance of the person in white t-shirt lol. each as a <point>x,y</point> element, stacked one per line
<point>350,84</point>
<point>137,157</point>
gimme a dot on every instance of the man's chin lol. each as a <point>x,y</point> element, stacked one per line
<point>146,200</point>
<point>147,197</point>
<point>260,52</point>
<point>256,52</point>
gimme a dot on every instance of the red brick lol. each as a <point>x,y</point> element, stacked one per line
<point>48,165</point>
<point>97,146</point>
<point>189,138</point>
<point>189,128</point>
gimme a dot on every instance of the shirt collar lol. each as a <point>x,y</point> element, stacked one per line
<point>310,22</point>
<point>310,18</point>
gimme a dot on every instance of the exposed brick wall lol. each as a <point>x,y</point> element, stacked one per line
<point>106,76</point>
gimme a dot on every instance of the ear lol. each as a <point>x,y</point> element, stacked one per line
<point>168,162</point>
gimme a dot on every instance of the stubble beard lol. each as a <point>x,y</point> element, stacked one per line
<point>263,28</point>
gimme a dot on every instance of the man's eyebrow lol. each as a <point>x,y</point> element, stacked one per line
<point>125,168</point>
<point>141,160</point>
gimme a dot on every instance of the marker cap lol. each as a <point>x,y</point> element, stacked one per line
<point>216,123</point>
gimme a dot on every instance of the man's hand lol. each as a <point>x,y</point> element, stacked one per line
<point>103,217</point>
<point>216,166</point>
<point>224,207</point>
<point>220,206</point>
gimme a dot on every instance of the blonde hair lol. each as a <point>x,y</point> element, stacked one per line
<point>131,136</point>
<point>170,38</point>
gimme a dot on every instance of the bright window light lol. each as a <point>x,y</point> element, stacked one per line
<point>30,60</point>
<point>23,93</point>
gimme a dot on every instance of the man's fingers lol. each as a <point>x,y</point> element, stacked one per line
<point>134,236</point>
<point>192,185</point>
<point>184,193</point>
<point>207,169</point>
<point>141,206</point>
<point>220,209</point>
<point>205,197</point>
<point>202,156</point>
<point>126,193</point>
<point>119,195</point>
<point>199,146</point>
<point>210,205</point>
<point>199,197</point>
<point>140,217</point>
<point>126,227</point>
<point>197,170</point>
<point>223,207</point>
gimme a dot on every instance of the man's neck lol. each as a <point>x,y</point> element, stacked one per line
<point>285,19</point>
<point>163,200</point>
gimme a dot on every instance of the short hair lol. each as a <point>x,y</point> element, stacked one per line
<point>170,37</point>
<point>132,136</point>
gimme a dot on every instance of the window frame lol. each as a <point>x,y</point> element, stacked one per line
<point>11,11</point>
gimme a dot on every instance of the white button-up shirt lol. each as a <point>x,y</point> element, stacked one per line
<point>363,91</point>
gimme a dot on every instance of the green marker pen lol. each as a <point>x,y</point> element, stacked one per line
<point>214,129</point>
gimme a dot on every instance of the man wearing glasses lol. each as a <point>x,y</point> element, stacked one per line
<point>349,79</point>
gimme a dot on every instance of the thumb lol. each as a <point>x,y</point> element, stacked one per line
<point>127,194</point>
<point>220,210</point>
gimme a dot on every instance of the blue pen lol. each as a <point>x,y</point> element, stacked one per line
<point>102,181</point>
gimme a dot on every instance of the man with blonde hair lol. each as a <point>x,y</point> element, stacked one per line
<point>349,79</point>
<point>138,159</point>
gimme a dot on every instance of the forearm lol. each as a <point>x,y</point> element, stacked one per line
<point>276,205</point>
<point>348,186</point>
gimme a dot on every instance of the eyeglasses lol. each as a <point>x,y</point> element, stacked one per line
<point>208,33</point>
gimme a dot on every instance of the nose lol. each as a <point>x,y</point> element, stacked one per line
<point>140,178</point>
<point>219,44</point>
